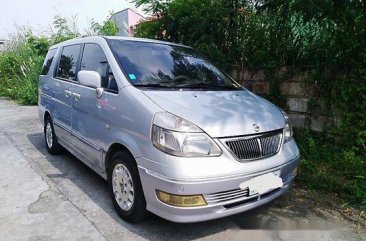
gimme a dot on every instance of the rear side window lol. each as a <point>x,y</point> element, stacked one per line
<point>94,59</point>
<point>68,62</point>
<point>48,61</point>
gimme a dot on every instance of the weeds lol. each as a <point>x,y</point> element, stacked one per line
<point>332,168</point>
<point>20,65</point>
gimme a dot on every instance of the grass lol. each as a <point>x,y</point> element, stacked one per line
<point>332,168</point>
<point>23,90</point>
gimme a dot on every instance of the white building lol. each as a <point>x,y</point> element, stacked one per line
<point>126,21</point>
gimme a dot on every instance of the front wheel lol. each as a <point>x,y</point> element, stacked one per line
<point>125,188</point>
<point>52,144</point>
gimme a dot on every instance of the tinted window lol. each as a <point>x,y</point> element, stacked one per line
<point>48,61</point>
<point>95,59</point>
<point>164,65</point>
<point>68,62</point>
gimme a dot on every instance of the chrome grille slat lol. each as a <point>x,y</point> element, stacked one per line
<point>249,148</point>
<point>237,147</point>
<point>228,196</point>
<point>225,193</point>
<point>242,147</point>
<point>269,144</point>
<point>211,198</point>
<point>232,196</point>
<point>255,147</point>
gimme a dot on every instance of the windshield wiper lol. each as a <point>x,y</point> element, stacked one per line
<point>206,85</point>
<point>199,85</point>
<point>152,85</point>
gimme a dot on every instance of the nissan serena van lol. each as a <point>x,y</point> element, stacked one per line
<point>171,133</point>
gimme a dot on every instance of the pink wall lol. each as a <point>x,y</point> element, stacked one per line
<point>133,19</point>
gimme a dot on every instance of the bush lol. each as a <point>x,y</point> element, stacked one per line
<point>20,65</point>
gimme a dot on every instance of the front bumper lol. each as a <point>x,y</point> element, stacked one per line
<point>223,195</point>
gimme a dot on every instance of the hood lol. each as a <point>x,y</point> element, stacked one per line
<point>221,113</point>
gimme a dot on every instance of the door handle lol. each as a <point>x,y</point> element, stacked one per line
<point>76,96</point>
<point>68,93</point>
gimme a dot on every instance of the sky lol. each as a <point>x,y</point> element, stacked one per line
<point>39,14</point>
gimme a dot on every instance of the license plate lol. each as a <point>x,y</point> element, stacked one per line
<point>262,184</point>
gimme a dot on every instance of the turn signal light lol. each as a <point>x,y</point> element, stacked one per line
<point>180,200</point>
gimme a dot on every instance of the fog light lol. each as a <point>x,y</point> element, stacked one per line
<point>180,200</point>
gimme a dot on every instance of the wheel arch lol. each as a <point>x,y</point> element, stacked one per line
<point>46,114</point>
<point>115,147</point>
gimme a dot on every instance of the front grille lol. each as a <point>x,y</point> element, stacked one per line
<point>255,147</point>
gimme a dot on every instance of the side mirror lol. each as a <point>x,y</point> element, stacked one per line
<point>91,79</point>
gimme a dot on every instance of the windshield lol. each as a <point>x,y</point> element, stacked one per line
<point>156,65</point>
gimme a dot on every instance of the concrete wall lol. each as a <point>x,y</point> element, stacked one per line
<point>298,90</point>
<point>121,19</point>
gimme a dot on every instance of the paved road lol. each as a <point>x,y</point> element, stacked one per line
<point>44,197</point>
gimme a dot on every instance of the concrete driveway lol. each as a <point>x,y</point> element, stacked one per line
<point>44,197</point>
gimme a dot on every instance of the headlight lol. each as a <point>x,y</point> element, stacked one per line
<point>288,132</point>
<point>179,137</point>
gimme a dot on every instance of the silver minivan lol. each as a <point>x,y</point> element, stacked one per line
<point>171,133</point>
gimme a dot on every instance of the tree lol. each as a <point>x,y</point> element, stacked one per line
<point>64,29</point>
<point>210,26</point>
<point>107,28</point>
<point>262,34</point>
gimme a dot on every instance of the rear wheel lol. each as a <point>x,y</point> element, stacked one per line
<point>52,144</point>
<point>125,188</point>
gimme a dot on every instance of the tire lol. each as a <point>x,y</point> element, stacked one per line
<point>53,147</point>
<point>125,188</point>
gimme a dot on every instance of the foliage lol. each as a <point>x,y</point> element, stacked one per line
<point>328,167</point>
<point>22,59</point>
<point>20,66</point>
<point>262,34</point>
<point>351,98</point>
<point>210,26</point>
<point>64,29</point>
<point>107,28</point>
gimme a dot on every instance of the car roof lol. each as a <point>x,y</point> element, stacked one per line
<point>81,40</point>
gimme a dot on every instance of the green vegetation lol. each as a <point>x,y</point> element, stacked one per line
<point>323,37</point>
<point>332,168</point>
<point>22,59</point>
<point>107,28</point>
<point>263,34</point>
<point>20,66</point>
